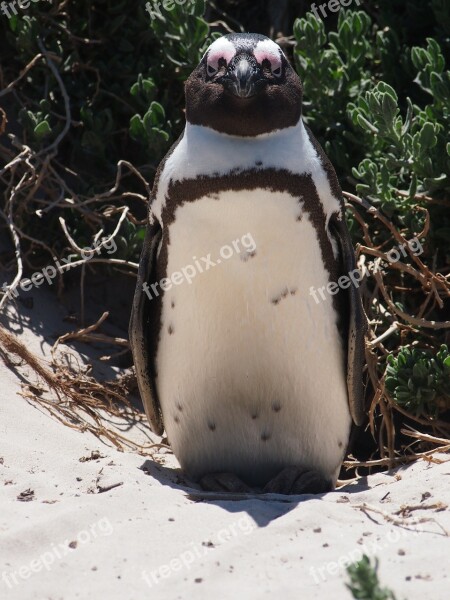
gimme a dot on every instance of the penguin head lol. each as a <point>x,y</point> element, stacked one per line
<point>244,86</point>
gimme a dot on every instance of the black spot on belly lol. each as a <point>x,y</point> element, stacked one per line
<point>340,444</point>
<point>172,304</point>
<point>276,407</point>
<point>170,329</point>
<point>284,294</point>
<point>179,407</point>
<point>176,419</point>
<point>265,436</point>
<point>211,426</point>
<point>248,255</point>
<point>255,415</point>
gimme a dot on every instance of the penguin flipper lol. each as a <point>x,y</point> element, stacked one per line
<point>139,330</point>
<point>356,323</point>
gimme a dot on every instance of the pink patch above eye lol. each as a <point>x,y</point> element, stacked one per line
<point>273,57</point>
<point>214,56</point>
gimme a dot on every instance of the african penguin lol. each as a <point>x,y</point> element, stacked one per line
<point>255,382</point>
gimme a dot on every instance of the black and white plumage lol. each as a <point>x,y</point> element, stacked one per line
<point>251,378</point>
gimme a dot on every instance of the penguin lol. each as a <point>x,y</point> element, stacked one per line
<point>256,383</point>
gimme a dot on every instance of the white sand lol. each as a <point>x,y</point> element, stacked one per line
<point>145,538</point>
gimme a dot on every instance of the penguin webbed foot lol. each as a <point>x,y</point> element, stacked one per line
<point>224,482</point>
<point>296,480</point>
<point>289,481</point>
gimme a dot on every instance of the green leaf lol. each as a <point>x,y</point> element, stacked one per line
<point>42,130</point>
<point>137,130</point>
<point>365,124</point>
<point>13,22</point>
<point>390,108</point>
<point>427,138</point>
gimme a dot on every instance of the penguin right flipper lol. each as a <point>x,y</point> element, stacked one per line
<point>139,329</point>
<point>357,323</point>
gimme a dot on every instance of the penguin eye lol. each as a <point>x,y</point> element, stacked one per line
<point>277,72</point>
<point>211,70</point>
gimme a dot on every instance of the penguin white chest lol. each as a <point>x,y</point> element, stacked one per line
<point>250,367</point>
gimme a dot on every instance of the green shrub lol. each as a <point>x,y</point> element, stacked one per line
<point>420,382</point>
<point>364,583</point>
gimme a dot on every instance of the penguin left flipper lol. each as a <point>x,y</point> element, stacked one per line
<point>138,330</point>
<point>356,325</point>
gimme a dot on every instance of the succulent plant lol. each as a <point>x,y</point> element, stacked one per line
<point>419,381</point>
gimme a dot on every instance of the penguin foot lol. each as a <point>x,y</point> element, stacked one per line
<point>224,482</point>
<point>294,480</point>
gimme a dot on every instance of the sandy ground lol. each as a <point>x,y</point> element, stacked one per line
<point>120,525</point>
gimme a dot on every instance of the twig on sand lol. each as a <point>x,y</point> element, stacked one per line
<point>403,523</point>
<point>87,335</point>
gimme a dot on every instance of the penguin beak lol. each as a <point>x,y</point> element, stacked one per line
<point>242,80</point>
